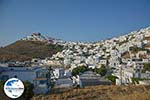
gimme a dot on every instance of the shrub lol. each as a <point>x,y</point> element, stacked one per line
<point>112,78</point>
<point>135,80</point>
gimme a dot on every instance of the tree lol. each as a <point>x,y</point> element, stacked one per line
<point>78,70</point>
<point>102,70</point>
<point>147,67</point>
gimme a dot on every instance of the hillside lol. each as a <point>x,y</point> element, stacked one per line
<point>26,50</point>
<point>101,93</point>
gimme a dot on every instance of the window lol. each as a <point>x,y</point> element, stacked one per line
<point>42,82</point>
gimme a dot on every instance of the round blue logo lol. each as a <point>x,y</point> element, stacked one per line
<point>13,88</point>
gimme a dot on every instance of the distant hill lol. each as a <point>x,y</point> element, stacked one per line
<point>23,50</point>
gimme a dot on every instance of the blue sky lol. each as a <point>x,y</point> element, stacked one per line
<point>77,20</point>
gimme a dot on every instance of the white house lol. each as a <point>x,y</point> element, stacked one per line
<point>23,73</point>
<point>58,73</point>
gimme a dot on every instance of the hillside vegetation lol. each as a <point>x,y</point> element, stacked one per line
<point>100,93</point>
<point>26,50</point>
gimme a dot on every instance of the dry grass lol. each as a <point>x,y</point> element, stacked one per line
<point>101,93</point>
<point>26,50</point>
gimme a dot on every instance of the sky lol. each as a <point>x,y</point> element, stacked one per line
<point>75,20</point>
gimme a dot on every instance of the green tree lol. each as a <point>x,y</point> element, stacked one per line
<point>78,70</point>
<point>102,70</point>
<point>147,67</point>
